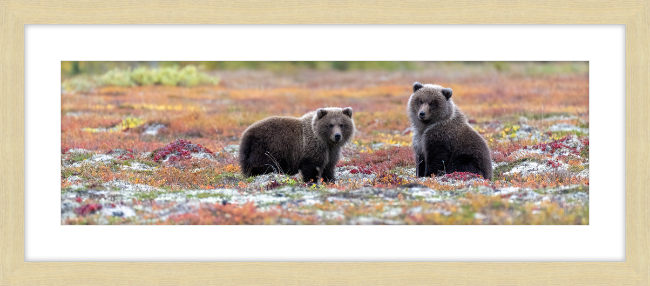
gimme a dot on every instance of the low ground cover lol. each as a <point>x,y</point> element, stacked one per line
<point>167,154</point>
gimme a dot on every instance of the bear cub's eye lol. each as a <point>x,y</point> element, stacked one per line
<point>341,125</point>
<point>420,102</point>
<point>331,125</point>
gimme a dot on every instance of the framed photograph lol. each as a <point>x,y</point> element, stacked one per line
<point>237,154</point>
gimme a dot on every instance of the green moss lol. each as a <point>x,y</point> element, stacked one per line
<point>539,116</point>
<point>65,173</point>
<point>577,169</point>
<point>467,212</point>
<point>551,68</point>
<point>77,157</point>
<point>584,152</point>
<point>497,205</point>
<point>560,134</point>
<point>578,189</point>
<point>286,180</point>
<point>209,195</point>
<point>501,66</point>
<point>151,195</point>
<point>116,220</point>
<point>226,177</point>
<point>418,198</point>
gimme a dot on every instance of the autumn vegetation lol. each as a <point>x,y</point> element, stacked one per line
<point>175,128</point>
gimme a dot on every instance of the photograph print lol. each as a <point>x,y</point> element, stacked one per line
<point>324,143</point>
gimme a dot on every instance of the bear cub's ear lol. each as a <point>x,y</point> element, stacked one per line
<point>417,86</point>
<point>447,92</point>
<point>348,111</point>
<point>321,113</point>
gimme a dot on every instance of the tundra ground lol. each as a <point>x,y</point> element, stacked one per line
<point>167,155</point>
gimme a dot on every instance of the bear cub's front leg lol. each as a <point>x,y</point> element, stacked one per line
<point>328,174</point>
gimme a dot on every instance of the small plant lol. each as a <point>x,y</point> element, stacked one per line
<point>461,176</point>
<point>554,163</point>
<point>144,76</point>
<point>272,185</point>
<point>362,170</point>
<point>130,122</point>
<point>289,181</point>
<point>77,157</point>
<point>556,145</point>
<point>179,150</point>
<point>388,179</point>
<point>509,131</point>
<point>87,209</point>
<point>117,77</point>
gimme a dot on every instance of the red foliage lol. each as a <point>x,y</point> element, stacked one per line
<point>584,141</point>
<point>126,156</point>
<point>272,185</point>
<point>87,209</point>
<point>463,176</point>
<point>501,152</point>
<point>179,150</point>
<point>362,170</point>
<point>553,163</point>
<point>555,145</point>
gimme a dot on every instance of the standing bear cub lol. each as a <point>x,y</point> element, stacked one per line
<point>443,140</point>
<point>310,144</point>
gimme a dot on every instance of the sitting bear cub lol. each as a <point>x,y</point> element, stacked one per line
<point>310,144</point>
<point>443,140</point>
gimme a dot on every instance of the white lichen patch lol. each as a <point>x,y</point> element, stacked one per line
<point>567,127</point>
<point>119,211</point>
<point>153,130</point>
<point>529,167</point>
<point>137,166</point>
<point>232,150</point>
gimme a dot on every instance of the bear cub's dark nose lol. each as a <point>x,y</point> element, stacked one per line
<point>337,137</point>
<point>421,114</point>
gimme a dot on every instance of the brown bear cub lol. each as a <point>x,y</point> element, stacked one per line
<point>443,140</point>
<point>310,144</point>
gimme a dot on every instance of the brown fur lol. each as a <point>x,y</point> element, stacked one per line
<point>443,140</point>
<point>290,145</point>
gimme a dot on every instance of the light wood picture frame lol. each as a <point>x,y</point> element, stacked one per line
<point>15,14</point>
